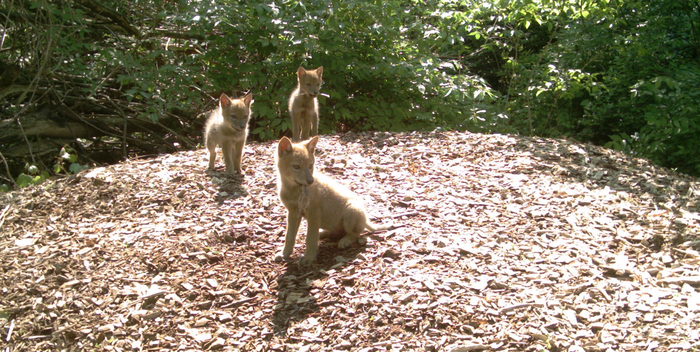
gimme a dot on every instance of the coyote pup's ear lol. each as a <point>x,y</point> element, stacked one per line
<point>284,146</point>
<point>301,72</point>
<point>248,99</point>
<point>319,70</point>
<point>311,144</point>
<point>224,100</point>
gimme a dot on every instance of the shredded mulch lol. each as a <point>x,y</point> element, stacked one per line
<point>500,243</point>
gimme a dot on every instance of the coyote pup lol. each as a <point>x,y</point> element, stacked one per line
<point>303,104</point>
<point>227,127</point>
<point>321,201</point>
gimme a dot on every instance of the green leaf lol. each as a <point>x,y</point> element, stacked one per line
<point>75,168</point>
<point>23,180</point>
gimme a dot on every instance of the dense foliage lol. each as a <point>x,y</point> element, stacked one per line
<point>379,70</point>
<point>134,76</point>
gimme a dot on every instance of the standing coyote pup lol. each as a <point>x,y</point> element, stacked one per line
<point>321,201</point>
<point>303,104</point>
<point>227,127</point>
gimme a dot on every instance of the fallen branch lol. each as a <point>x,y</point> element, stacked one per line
<point>519,306</point>
<point>690,253</point>
<point>9,332</point>
<point>690,280</point>
<point>238,303</point>
<point>409,213</point>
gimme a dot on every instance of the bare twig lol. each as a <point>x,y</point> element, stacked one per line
<point>112,15</point>
<point>519,306</point>
<point>238,303</point>
<point>690,280</point>
<point>690,253</point>
<point>2,216</point>
<point>5,27</point>
<point>126,122</point>
<point>408,213</point>
<point>7,169</point>
<point>9,331</point>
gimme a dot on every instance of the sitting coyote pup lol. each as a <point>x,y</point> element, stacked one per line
<point>324,203</point>
<point>303,104</point>
<point>227,127</point>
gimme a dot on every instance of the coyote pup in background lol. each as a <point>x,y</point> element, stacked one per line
<point>303,104</point>
<point>227,127</point>
<point>319,199</point>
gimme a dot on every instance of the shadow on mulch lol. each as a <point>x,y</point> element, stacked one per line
<point>231,186</point>
<point>295,302</point>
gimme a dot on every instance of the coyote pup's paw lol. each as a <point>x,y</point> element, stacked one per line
<point>280,257</point>
<point>346,242</point>
<point>362,240</point>
<point>307,260</point>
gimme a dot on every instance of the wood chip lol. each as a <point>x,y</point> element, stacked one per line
<point>593,249</point>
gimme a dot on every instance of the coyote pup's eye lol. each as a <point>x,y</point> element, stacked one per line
<point>296,167</point>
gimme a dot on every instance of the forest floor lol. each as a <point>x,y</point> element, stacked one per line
<point>501,243</point>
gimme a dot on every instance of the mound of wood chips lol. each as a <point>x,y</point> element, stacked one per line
<point>501,243</point>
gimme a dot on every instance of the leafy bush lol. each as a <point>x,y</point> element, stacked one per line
<point>138,74</point>
<point>591,70</point>
<point>376,76</point>
<point>33,176</point>
<point>122,75</point>
<point>670,134</point>
<point>649,103</point>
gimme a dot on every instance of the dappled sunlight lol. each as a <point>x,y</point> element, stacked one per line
<point>499,241</point>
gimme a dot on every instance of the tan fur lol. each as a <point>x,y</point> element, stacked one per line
<point>227,126</point>
<point>303,104</point>
<point>316,197</point>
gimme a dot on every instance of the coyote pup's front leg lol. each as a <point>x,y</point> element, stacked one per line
<point>293,222</point>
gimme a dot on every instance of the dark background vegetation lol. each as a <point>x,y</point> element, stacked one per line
<point>93,81</point>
